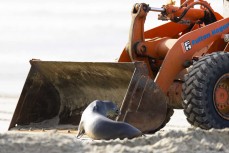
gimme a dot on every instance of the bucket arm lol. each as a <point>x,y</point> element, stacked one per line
<point>191,29</point>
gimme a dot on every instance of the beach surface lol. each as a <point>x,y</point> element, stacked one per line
<point>177,136</point>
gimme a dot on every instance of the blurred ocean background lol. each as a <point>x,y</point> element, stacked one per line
<point>61,30</point>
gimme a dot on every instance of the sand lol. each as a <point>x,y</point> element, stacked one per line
<point>188,141</point>
<point>177,136</point>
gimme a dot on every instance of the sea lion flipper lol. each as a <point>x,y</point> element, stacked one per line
<point>81,130</point>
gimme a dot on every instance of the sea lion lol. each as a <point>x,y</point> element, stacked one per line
<point>96,124</point>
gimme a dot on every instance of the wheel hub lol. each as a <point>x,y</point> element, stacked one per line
<point>221,96</point>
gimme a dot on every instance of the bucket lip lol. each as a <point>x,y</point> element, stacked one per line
<point>81,62</point>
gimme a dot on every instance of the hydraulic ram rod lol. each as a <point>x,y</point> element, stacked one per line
<point>155,9</point>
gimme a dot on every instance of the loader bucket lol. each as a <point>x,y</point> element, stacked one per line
<point>56,93</point>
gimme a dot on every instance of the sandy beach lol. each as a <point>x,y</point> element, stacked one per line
<point>178,136</point>
<point>188,140</point>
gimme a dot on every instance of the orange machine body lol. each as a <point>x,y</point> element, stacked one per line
<point>169,48</point>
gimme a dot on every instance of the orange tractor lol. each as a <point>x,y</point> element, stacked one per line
<point>182,64</point>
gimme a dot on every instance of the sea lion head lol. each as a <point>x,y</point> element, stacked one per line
<point>106,108</point>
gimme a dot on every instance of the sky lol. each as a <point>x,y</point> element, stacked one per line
<point>70,29</point>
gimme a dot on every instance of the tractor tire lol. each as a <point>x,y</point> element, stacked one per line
<point>206,92</point>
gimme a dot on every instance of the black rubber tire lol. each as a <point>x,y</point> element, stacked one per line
<point>198,89</point>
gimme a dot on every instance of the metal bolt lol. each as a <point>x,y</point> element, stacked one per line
<point>142,49</point>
